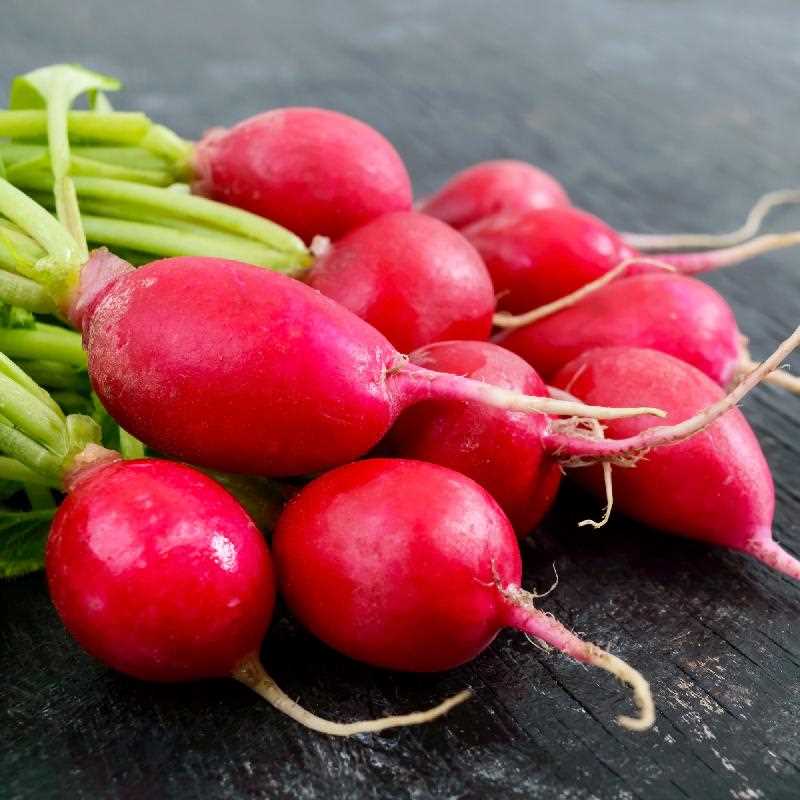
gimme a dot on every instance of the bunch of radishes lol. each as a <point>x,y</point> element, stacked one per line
<point>419,451</point>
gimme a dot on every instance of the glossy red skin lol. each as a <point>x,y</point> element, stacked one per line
<point>494,187</point>
<point>230,366</point>
<point>311,170</point>
<point>500,450</point>
<point>541,255</point>
<point>412,277</point>
<point>663,311</point>
<point>159,573</point>
<point>394,563</point>
<point>715,486</point>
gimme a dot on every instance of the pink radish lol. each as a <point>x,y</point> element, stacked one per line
<point>158,572</point>
<point>424,570</point>
<point>664,311</point>
<point>410,276</point>
<point>715,486</point>
<point>236,368</point>
<point>492,187</point>
<point>507,186</point>
<point>498,449</point>
<point>317,172</point>
<point>541,255</point>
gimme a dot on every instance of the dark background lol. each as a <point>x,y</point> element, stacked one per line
<point>656,115</point>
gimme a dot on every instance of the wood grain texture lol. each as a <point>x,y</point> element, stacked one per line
<point>661,116</point>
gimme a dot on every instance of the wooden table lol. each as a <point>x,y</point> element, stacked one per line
<point>657,116</point>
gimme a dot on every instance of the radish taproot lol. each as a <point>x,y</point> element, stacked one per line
<point>712,483</point>
<point>539,256</point>
<point>498,449</point>
<point>315,171</point>
<point>425,570</point>
<point>412,277</point>
<point>153,567</point>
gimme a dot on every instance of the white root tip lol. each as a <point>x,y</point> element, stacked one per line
<point>253,675</point>
<point>642,695</point>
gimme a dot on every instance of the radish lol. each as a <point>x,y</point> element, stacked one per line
<point>232,367</point>
<point>152,566</point>
<point>424,570</point>
<point>492,187</point>
<point>507,186</point>
<point>541,255</point>
<point>498,449</point>
<point>315,171</point>
<point>715,486</point>
<point>667,312</point>
<point>410,276</point>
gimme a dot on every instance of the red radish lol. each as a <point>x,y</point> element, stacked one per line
<point>541,255</point>
<point>424,570</point>
<point>492,187</point>
<point>317,172</point>
<point>412,277</point>
<point>158,572</point>
<point>664,311</point>
<point>715,486</point>
<point>236,368</point>
<point>498,449</point>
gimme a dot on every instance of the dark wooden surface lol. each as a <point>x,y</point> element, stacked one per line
<point>656,115</point>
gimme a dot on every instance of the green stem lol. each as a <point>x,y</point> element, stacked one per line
<point>161,241</point>
<point>56,375</point>
<point>73,403</point>
<point>35,419</point>
<point>43,341</point>
<point>129,446</point>
<point>31,454</point>
<point>14,373</point>
<point>39,496</point>
<point>19,245</point>
<point>117,127</point>
<point>184,206</point>
<point>17,290</point>
<point>13,470</point>
<point>136,158</point>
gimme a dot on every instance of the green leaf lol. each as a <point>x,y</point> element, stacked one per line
<point>23,535</point>
<point>56,88</point>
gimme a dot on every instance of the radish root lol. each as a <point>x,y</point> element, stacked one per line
<point>779,377</point>
<point>504,319</point>
<point>523,615</point>
<point>769,552</point>
<point>620,451</point>
<point>686,241</point>
<point>252,674</point>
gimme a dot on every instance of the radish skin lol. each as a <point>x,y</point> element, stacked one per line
<point>314,171</point>
<point>425,569</point>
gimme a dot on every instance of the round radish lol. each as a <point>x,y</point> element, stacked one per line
<point>412,277</point>
<point>541,255</point>
<point>664,311</point>
<point>317,172</point>
<point>424,568</point>
<point>240,369</point>
<point>492,187</point>
<point>715,486</point>
<point>158,572</point>
<point>500,450</point>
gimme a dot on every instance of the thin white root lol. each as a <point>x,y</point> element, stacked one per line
<point>504,319</point>
<point>779,377</point>
<point>638,684</point>
<point>320,245</point>
<point>688,241</point>
<point>608,483</point>
<point>253,675</point>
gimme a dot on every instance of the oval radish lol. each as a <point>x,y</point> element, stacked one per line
<point>493,187</point>
<point>715,486</point>
<point>500,450</point>
<point>424,568</point>
<point>412,277</point>
<point>315,171</point>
